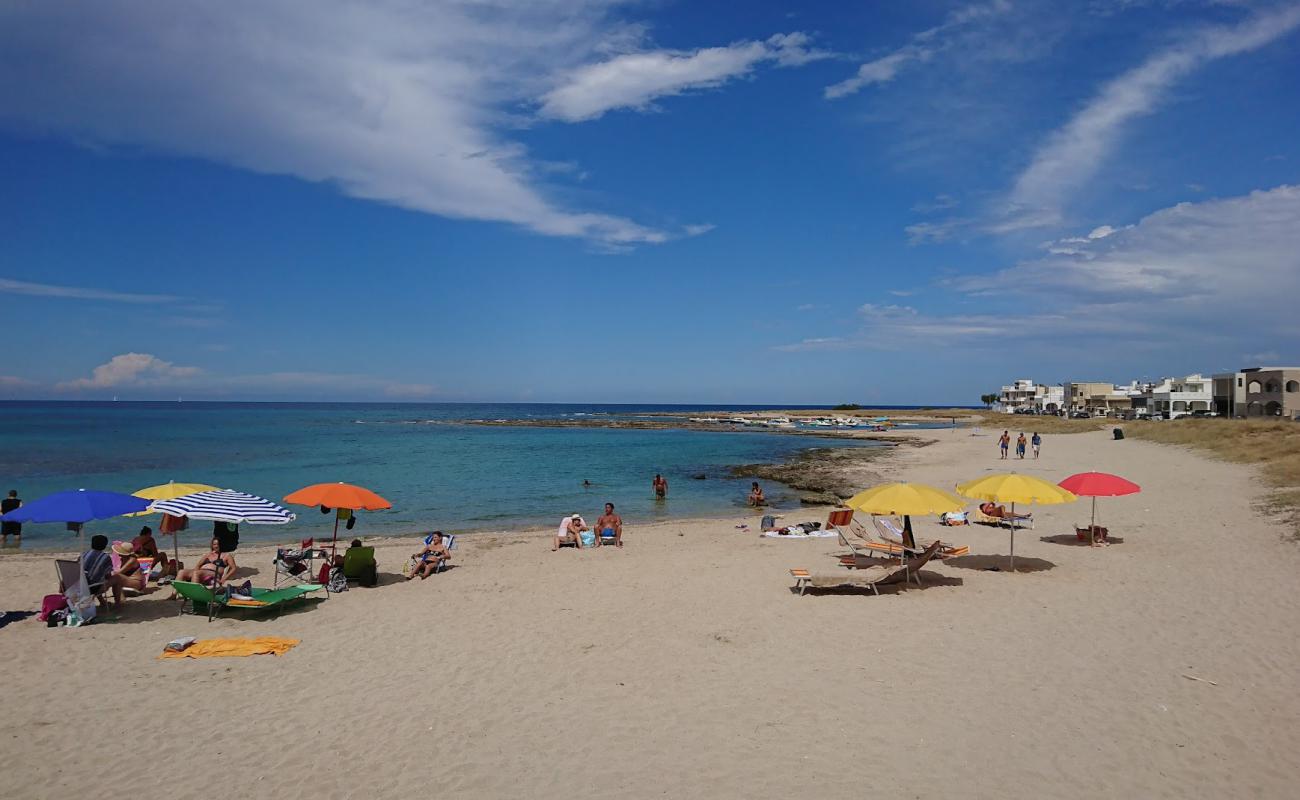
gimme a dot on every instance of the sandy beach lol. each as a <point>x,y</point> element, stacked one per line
<point>684,665</point>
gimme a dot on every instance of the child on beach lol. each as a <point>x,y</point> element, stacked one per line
<point>1020,445</point>
<point>1004,441</point>
<point>1037,442</point>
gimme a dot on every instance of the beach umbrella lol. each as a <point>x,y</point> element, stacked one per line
<point>76,506</point>
<point>226,505</point>
<point>169,491</point>
<point>1098,484</point>
<point>338,495</point>
<point>1012,487</point>
<point>905,499</point>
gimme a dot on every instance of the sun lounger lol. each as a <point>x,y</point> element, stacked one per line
<point>201,599</point>
<point>1019,520</point>
<point>871,577</point>
<point>889,542</point>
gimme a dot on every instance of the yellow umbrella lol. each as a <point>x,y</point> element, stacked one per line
<point>905,499</point>
<point>170,491</point>
<point>1012,487</point>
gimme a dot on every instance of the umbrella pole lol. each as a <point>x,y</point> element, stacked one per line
<point>1013,536</point>
<point>334,546</point>
<point>1092,526</point>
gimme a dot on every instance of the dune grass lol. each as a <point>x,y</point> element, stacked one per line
<point>1045,425</point>
<point>1273,446</point>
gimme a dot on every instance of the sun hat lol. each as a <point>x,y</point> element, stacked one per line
<point>123,548</point>
<point>576,516</point>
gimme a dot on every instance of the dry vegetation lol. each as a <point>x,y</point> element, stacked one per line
<point>1272,446</point>
<point>1043,424</point>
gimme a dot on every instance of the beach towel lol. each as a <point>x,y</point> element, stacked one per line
<point>796,532</point>
<point>222,648</point>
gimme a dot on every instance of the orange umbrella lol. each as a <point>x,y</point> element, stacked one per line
<point>338,495</point>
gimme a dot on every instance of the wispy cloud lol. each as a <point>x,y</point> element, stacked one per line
<point>410,104</point>
<point>1072,155</point>
<point>1151,283</point>
<point>636,80</point>
<point>921,48</point>
<point>79,292</point>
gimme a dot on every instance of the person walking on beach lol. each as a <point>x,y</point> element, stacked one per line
<point>14,529</point>
<point>609,525</point>
<point>1004,441</point>
<point>1020,446</point>
<point>1037,442</point>
<point>660,486</point>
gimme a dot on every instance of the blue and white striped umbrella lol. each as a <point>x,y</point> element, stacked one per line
<point>226,505</point>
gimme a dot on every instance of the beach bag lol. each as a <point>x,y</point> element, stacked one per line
<point>588,538</point>
<point>338,581</point>
<point>51,603</point>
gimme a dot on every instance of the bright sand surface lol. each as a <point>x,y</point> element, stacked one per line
<point>684,665</point>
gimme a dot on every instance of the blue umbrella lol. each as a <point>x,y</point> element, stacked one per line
<point>81,505</point>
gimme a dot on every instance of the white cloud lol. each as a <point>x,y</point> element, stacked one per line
<point>1073,154</point>
<point>79,292</point>
<point>1239,253</point>
<point>1166,281</point>
<point>132,369</point>
<point>636,80</point>
<point>922,48</point>
<point>14,382</point>
<point>398,102</point>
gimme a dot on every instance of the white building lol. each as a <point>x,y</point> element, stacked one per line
<point>1172,398</point>
<point>1025,394</point>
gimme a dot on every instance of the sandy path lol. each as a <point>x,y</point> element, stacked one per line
<point>683,666</point>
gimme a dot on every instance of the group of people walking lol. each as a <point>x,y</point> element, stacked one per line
<point>1004,444</point>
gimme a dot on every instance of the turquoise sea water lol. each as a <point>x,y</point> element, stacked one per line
<point>436,471</point>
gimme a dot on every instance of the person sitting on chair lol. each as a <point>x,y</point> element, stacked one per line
<point>145,546</point>
<point>98,567</point>
<point>431,558</point>
<point>130,570</point>
<point>609,526</point>
<point>570,532</point>
<point>214,569</point>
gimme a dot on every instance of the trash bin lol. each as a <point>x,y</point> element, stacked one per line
<point>1118,433</point>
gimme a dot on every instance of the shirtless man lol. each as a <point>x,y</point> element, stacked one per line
<point>660,484</point>
<point>214,569</point>
<point>609,524</point>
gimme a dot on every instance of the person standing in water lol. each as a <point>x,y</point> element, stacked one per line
<point>660,485</point>
<point>14,529</point>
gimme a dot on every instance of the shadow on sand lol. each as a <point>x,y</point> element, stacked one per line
<point>1073,541</point>
<point>1000,563</point>
<point>928,580</point>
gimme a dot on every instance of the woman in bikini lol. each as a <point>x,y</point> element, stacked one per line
<point>213,569</point>
<point>132,574</point>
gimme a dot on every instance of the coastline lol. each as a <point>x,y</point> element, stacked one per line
<point>1155,657</point>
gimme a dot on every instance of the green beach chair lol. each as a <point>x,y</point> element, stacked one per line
<point>201,599</point>
<point>359,565</point>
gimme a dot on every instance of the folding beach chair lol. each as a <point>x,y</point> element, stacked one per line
<point>871,578</point>
<point>296,565</point>
<point>73,586</point>
<point>359,565</point>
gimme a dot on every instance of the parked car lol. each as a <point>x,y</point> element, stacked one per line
<point>1203,414</point>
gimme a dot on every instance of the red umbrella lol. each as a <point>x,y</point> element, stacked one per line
<point>1098,484</point>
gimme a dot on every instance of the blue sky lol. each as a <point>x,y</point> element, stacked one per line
<point>643,201</point>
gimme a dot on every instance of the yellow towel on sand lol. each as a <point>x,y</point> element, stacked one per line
<point>218,648</point>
